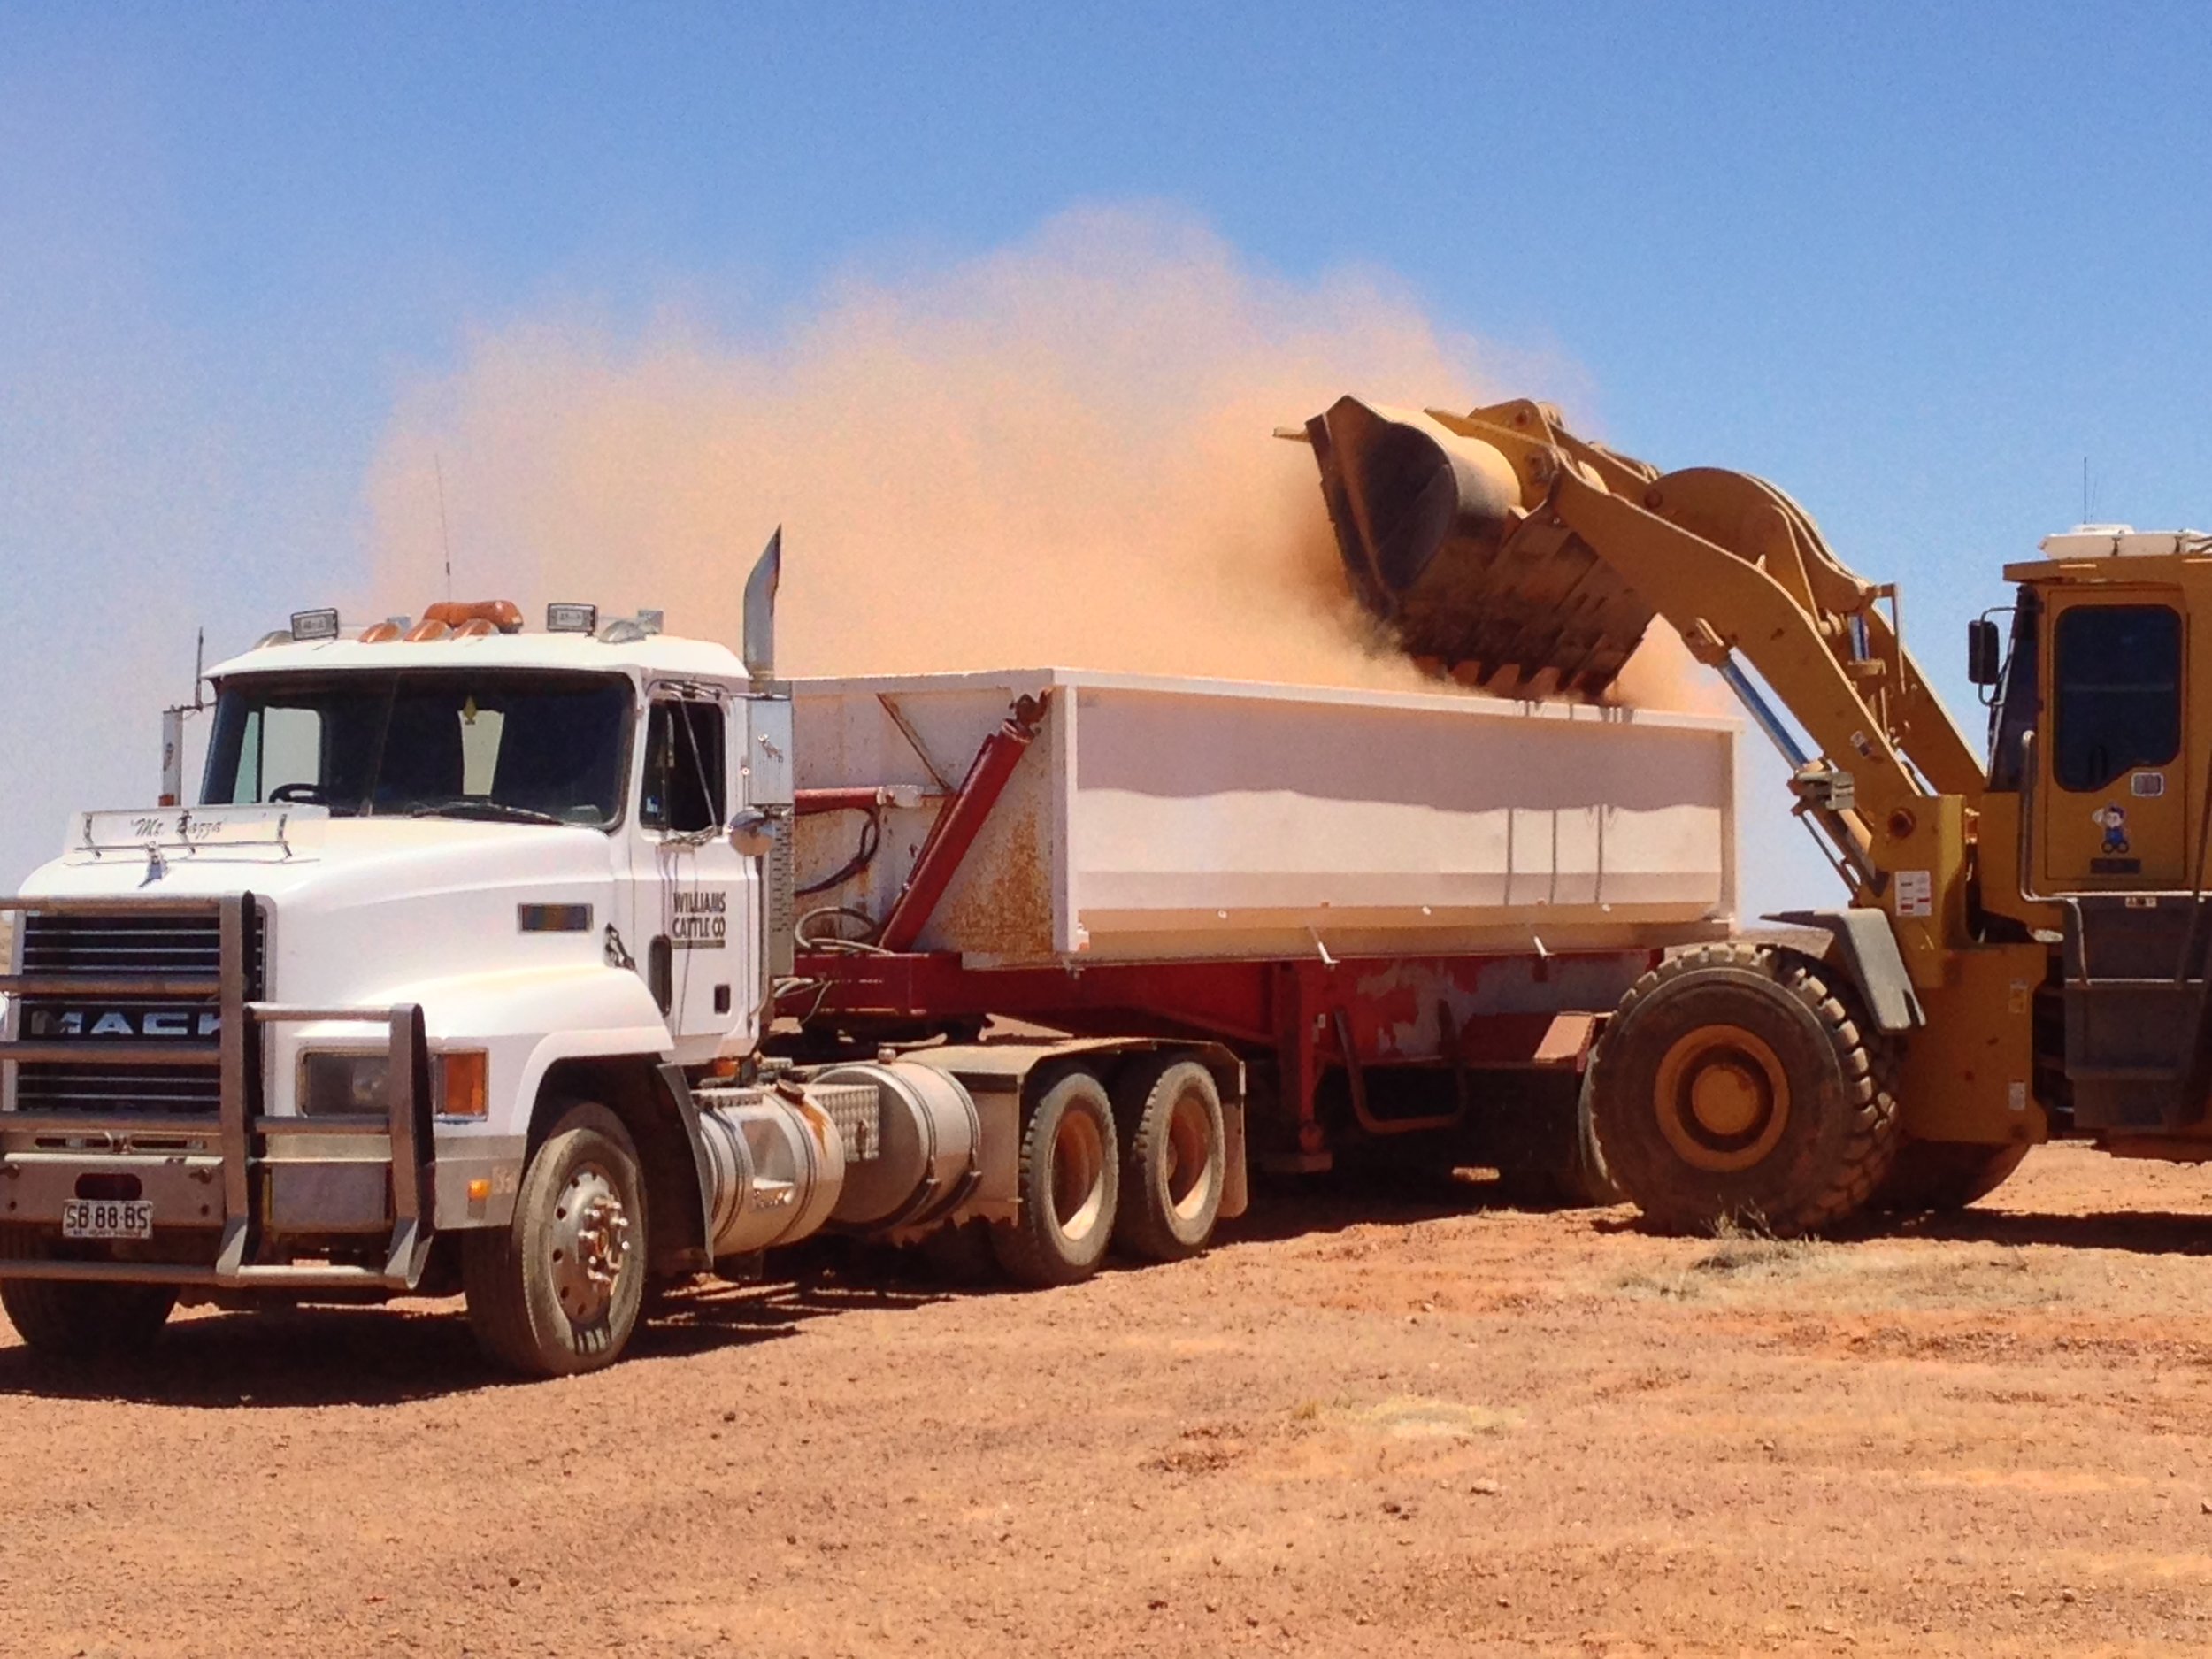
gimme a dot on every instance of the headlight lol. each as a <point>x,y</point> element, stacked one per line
<point>335,1084</point>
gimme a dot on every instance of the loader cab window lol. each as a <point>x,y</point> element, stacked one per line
<point>683,753</point>
<point>2116,692</point>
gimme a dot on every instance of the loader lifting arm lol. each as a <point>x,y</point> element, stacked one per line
<point>1518,556</point>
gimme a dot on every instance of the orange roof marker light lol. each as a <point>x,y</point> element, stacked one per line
<point>383,632</point>
<point>427,630</point>
<point>501,616</point>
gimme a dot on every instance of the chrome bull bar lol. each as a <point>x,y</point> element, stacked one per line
<point>239,1128</point>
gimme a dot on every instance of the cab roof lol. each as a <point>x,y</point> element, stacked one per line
<point>658,656</point>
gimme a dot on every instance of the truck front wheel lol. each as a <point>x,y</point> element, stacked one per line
<point>558,1290</point>
<point>1735,1083</point>
<point>65,1319</point>
<point>1069,1184</point>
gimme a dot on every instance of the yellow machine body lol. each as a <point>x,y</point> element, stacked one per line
<point>1511,554</point>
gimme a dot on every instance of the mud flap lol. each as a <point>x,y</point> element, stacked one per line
<point>1865,945</point>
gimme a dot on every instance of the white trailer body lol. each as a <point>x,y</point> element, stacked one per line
<point>1170,819</point>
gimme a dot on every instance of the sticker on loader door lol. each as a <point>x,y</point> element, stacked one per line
<point>2112,819</point>
<point>1916,893</point>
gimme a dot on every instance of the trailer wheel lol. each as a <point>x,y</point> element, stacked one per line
<point>1735,1083</point>
<point>1069,1183</point>
<point>64,1320</point>
<point>1936,1177</point>
<point>1174,1169</point>
<point>558,1290</point>
<point>1547,1153</point>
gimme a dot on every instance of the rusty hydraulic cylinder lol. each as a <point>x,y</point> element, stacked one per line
<point>959,825</point>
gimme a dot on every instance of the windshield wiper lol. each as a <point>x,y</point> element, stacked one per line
<point>474,806</point>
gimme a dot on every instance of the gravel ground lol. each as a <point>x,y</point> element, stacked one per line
<point>1364,1426</point>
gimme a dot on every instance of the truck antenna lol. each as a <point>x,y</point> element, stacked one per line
<point>2084,490</point>
<point>445,537</point>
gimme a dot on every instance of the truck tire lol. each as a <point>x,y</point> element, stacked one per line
<point>1547,1152</point>
<point>61,1319</point>
<point>558,1289</point>
<point>1936,1177</point>
<point>1735,1083</point>
<point>1069,1183</point>
<point>1176,1162</point>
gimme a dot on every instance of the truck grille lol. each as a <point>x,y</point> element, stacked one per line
<point>117,944</point>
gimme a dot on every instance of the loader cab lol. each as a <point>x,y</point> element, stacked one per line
<point>2098,671</point>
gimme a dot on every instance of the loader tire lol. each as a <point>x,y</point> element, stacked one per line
<point>1176,1163</point>
<point>558,1290</point>
<point>1069,1183</point>
<point>1932,1178</point>
<point>60,1319</point>
<point>1736,1084</point>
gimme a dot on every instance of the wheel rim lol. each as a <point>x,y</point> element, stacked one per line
<point>590,1244</point>
<point>1079,1176</point>
<point>1189,1174</point>
<point>1721,1098</point>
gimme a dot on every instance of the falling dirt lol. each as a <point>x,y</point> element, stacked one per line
<point>1060,454</point>
<point>1369,1423</point>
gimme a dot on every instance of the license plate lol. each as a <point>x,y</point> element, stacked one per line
<point>107,1218</point>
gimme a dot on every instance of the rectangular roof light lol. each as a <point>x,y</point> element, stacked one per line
<point>315,625</point>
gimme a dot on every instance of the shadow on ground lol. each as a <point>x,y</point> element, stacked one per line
<point>296,1356</point>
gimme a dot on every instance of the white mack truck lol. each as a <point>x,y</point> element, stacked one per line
<point>465,972</point>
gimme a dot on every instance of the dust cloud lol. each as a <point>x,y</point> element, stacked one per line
<point>1056,454</point>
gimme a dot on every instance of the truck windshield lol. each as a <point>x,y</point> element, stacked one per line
<point>512,746</point>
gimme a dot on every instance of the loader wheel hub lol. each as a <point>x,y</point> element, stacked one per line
<point>1721,1098</point>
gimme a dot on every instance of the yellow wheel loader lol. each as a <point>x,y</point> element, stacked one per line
<point>2024,955</point>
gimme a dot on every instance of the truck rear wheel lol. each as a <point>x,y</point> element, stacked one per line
<point>1936,1177</point>
<point>1177,1162</point>
<point>1069,1184</point>
<point>558,1289</point>
<point>63,1319</point>
<point>1735,1083</point>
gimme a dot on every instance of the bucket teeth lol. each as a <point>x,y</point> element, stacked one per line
<point>1443,540</point>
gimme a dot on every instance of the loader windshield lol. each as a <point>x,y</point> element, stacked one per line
<point>510,746</point>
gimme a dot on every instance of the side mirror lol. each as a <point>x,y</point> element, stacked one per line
<point>752,834</point>
<point>1984,664</point>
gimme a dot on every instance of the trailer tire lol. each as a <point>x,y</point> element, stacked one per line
<point>1069,1183</point>
<point>1545,1150</point>
<point>60,1319</point>
<point>1736,1084</point>
<point>1176,1162</point>
<point>1934,1177</point>
<point>558,1290</point>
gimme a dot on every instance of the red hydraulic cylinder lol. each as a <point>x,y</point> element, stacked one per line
<point>959,825</point>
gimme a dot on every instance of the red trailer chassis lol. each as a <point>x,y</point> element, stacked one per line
<point>1307,1016</point>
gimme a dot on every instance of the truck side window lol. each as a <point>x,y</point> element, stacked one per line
<point>2115,680</point>
<point>683,767</point>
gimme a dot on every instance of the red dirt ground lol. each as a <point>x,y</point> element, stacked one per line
<point>1404,1429</point>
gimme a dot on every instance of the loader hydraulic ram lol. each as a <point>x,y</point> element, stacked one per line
<point>2023,953</point>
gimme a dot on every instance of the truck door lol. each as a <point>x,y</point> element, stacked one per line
<point>2115,771</point>
<point>696,895</point>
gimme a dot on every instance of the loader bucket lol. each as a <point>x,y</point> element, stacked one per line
<point>1441,540</point>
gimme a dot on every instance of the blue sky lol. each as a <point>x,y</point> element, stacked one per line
<point>1912,264</point>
